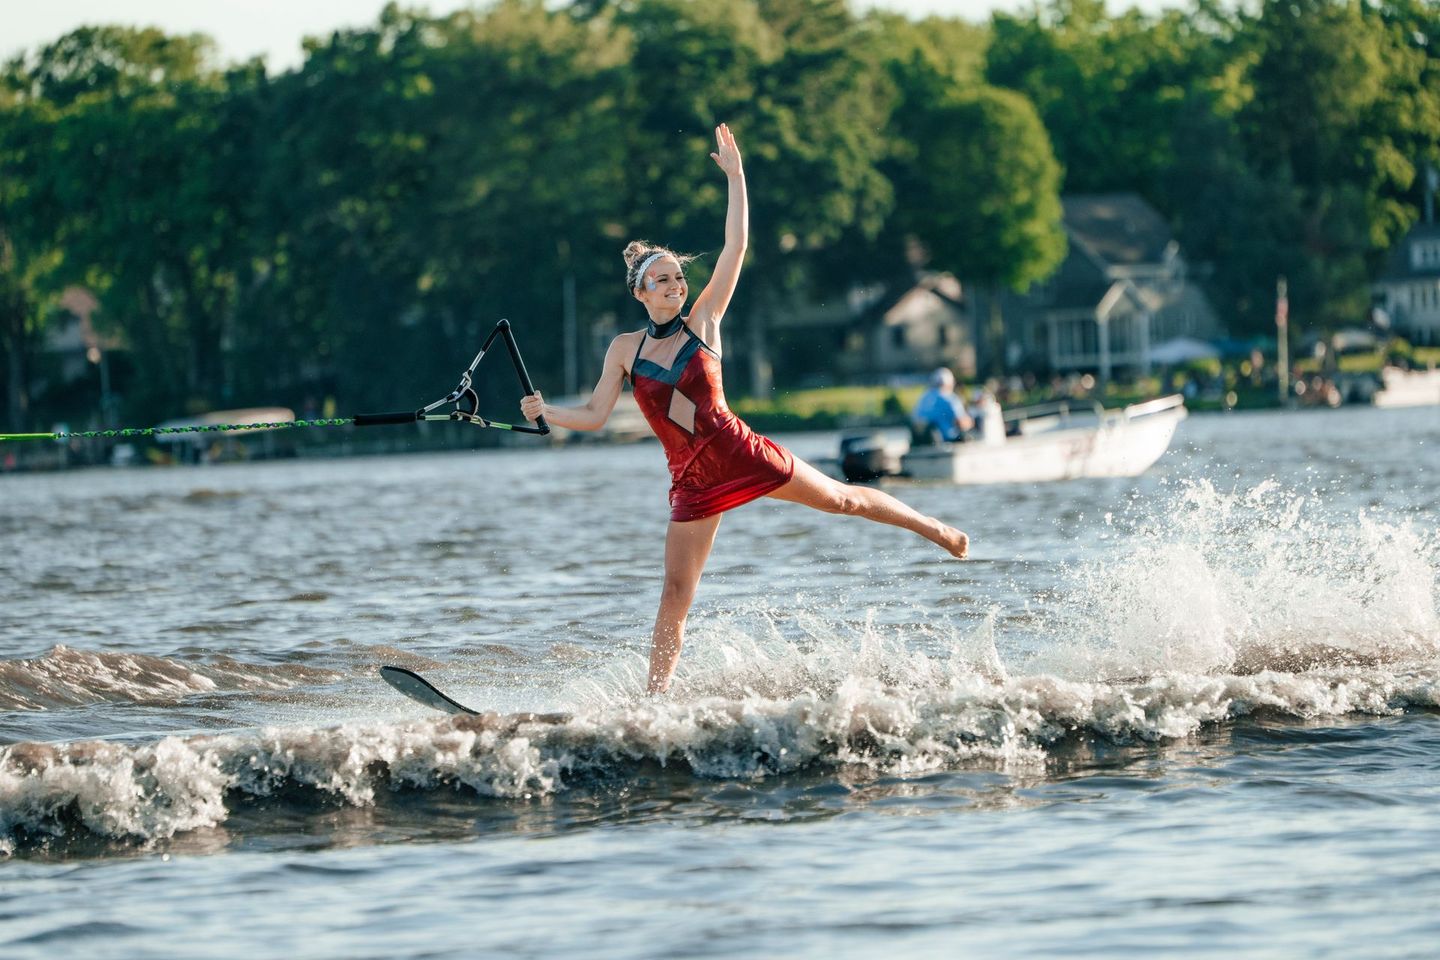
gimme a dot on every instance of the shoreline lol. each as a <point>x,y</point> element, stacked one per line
<point>446,438</point>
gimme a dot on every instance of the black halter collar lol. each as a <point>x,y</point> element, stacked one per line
<point>659,331</point>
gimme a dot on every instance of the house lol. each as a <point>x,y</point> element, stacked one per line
<point>75,351</point>
<point>1408,290</point>
<point>1123,289</point>
<point>71,338</point>
<point>880,333</point>
<point>902,332</point>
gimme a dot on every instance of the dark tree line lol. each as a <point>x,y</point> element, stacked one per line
<point>352,227</point>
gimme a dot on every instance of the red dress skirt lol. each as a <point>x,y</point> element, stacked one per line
<point>716,461</point>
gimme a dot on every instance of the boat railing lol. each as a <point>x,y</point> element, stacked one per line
<point>1054,415</point>
<point>1150,407</point>
<point>1060,414</point>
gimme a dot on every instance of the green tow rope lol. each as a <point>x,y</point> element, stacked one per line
<point>157,431</point>
<point>464,399</point>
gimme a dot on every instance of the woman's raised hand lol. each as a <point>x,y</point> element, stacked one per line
<point>727,154</point>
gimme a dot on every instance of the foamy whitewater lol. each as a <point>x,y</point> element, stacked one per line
<point>1193,713</point>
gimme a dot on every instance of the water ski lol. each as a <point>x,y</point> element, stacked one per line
<point>419,689</point>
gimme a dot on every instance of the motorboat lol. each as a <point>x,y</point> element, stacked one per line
<point>1057,441</point>
<point>1408,388</point>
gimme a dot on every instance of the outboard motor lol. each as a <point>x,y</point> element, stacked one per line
<point>863,457</point>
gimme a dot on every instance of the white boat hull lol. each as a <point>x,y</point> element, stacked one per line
<point>1408,388</point>
<point>1123,444</point>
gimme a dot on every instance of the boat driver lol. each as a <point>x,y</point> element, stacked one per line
<point>940,414</point>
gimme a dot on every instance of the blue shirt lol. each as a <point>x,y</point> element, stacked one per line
<point>942,411</point>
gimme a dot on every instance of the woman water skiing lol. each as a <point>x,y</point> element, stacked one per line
<point>716,461</point>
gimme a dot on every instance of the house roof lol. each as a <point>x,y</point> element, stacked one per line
<point>1079,295</point>
<point>942,286</point>
<point>1398,265</point>
<point>1120,229</point>
<point>73,331</point>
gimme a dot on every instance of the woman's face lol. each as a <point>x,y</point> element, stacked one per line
<point>663,288</point>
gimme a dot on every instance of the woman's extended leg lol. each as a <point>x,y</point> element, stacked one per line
<point>687,547</point>
<point>812,488</point>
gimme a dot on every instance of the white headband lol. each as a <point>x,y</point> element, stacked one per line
<point>645,265</point>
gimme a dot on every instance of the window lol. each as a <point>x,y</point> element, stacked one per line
<point>1425,254</point>
<point>1076,337</point>
<point>1120,334</point>
<point>897,336</point>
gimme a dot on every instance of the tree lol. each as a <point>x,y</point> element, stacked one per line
<point>427,177</point>
<point>1412,112</point>
<point>1108,89</point>
<point>917,64</point>
<point>146,178</point>
<point>27,252</point>
<point>789,77</point>
<point>983,196</point>
<point>1339,111</point>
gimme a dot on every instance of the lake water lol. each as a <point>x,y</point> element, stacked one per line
<point>1192,714</point>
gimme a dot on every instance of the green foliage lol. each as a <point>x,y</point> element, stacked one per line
<point>1280,140</point>
<point>926,59</point>
<point>1109,89</point>
<point>1322,78</point>
<point>984,195</point>
<point>27,251</point>
<point>836,401</point>
<point>111,62</point>
<point>427,178</point>
<point>1399,349</point>
<point>143,184</point>
<point>915,65</point>
<point>789,77</point>
<point>351,228</point>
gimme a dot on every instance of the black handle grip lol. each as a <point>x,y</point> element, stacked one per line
<point>379,419</point>
<point>504,327</point>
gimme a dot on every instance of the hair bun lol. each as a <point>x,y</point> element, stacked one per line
<point>635,251</point>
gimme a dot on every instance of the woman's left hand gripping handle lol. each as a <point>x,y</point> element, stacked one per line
<point>533,406</point>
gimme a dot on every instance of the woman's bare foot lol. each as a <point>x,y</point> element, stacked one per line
<point>955,541</point>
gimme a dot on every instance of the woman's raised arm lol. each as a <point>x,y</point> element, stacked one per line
<point>710,306</point>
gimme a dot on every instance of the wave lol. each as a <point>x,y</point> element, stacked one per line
<point>1215,607</point>
<point>1264,578</point>
<point>154,790</point>
<point>64,676</point>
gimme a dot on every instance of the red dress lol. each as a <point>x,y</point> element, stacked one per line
<point>716,461</point>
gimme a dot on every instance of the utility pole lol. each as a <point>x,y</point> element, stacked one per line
<point>1282,343</point>
<point>572,349</point>
<point>1432,182</point>
<point>568,327</point>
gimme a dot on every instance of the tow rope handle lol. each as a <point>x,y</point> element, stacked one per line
<point>466,401</point>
